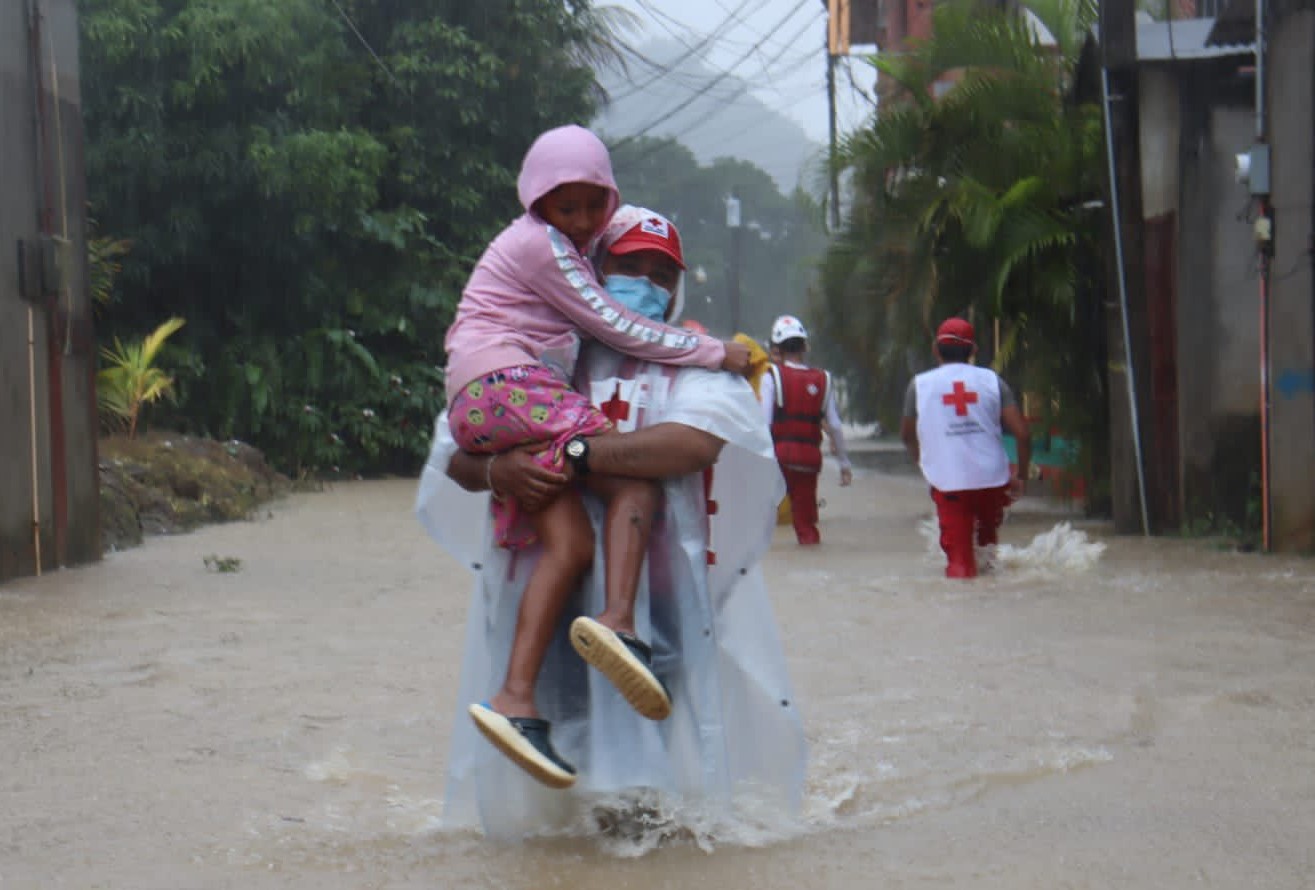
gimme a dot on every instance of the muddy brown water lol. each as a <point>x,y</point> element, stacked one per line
<point>1141,721</point>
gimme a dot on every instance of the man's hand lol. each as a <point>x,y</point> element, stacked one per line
<point>517,474</point>
<point>1017,486</point>
<point>737,358</point>
<point>846,476</point>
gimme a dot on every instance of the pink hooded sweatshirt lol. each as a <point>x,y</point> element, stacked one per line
<point>532,292</point>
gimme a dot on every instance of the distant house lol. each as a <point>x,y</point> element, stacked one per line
<point>49,491</point>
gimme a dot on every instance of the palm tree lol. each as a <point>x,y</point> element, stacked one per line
<point>975,202</point>
<point>130,379</point>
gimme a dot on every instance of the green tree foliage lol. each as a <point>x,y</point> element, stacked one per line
<point>309,183</point>
<point>978,203</point>
<point>781,242</point>
<point>104,263</point>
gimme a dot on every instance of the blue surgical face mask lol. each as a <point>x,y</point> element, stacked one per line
<point>639,295</point>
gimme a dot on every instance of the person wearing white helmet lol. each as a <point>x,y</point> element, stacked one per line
<point>735,736</point>
<point>799,403</point>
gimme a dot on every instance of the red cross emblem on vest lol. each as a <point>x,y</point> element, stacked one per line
<point>961,398</point>
<point>616,408</point>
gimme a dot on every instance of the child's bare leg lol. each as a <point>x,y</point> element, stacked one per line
<point>627,530</point>
<point>609,642</point>
<point>567,536</point>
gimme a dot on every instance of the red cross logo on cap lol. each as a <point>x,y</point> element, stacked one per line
<point>961,398</point>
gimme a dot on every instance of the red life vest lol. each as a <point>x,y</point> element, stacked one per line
<point>801,395</point>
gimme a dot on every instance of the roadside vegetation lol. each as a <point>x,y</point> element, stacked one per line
<point>975,192</point>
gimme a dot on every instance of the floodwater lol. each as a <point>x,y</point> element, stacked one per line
<point>1141,717</point>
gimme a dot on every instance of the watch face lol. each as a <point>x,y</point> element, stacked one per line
<point>575,449</point>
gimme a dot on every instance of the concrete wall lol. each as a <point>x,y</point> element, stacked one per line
<point>1194,118</point>
<point>1218,327</point>
<point>1159,137</point>
<point>1159,134</point>
<point>1291,131</point>
<point>44,190</point>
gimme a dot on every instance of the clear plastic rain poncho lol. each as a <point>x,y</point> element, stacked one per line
<point>733,747</point>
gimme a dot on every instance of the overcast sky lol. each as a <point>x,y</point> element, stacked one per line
<point>779,44</point>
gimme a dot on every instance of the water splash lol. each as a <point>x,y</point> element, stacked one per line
<point>1062,549</point>
<point>634,824</point>
<point>338,767</point>
<point>622,825</point>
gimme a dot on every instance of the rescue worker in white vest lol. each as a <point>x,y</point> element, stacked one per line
<point>954,419</point>
<point>799,403</point>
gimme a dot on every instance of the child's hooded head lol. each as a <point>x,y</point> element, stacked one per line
<point>566,179</point>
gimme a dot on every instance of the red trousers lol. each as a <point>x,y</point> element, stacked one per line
<point>960,514</point>
<point>801,485</point>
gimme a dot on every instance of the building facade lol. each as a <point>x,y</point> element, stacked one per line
<point>1219,271</point>
<point>49,486</point>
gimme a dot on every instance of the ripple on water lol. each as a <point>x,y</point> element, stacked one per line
<point>379,813</point>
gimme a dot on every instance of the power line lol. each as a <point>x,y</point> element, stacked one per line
<point>853,84</point>
<point>766,79</point>
<point>690,51</point>
<point>744,88</point>
<point>365,43</point>
<point>688,82</point>
<point>725,74</point>
<point>766,115</point>
<point>686,79</point>
<point>733,14</point>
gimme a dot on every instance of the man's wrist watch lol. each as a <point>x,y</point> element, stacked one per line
<point>577,452</point>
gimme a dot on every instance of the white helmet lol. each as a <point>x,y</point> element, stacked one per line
<point>787,327</point>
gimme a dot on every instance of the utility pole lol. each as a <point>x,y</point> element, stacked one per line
<point>1126,321</point>
<point>837,44</point>
<point>734,223</point>
<point>832,171</point>
<point>1260,190</point>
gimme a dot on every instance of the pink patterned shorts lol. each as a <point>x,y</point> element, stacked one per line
<point>517,406</point>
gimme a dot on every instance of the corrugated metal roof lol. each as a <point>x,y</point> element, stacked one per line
<point>1237,21</point>
<point>1183,40</point>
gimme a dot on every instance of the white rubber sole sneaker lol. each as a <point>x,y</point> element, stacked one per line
<point>604,650</point>
<point>511,740</point>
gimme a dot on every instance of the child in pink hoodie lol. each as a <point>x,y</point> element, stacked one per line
<point>511,352</point>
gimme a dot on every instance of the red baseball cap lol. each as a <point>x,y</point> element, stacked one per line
<point>653,233</point>
<point>955,330</point>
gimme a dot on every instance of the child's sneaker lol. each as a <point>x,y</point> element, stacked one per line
<point>525,742</point>
<point>626,662</point>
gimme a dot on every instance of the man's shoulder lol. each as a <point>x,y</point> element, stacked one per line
<point>692,385</point>
<point>690,376</point>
